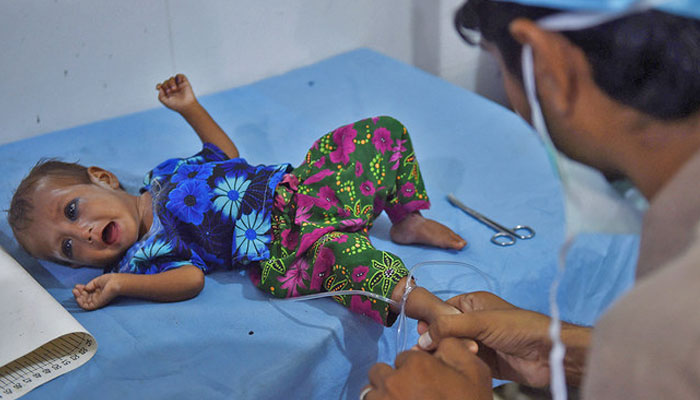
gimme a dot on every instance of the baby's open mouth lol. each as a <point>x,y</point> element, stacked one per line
<point>110,233</point>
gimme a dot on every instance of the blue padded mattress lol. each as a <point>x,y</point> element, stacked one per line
<point>233,341</point>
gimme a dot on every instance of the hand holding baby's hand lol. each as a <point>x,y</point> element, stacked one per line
<point>176,93</point>
<point>98,292</point>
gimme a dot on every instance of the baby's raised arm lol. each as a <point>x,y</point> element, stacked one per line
<point>176,94</point>
<point>173,285</point>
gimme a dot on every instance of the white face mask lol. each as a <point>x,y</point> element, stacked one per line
<point>591,203</point>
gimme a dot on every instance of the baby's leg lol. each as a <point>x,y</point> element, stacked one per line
<point>406,194</point>
<point>421,304</point>
<point>347,260</point>
<point>416,229</point>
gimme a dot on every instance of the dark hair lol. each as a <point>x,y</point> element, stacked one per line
<point>19,215</point>
<point>649,61</point>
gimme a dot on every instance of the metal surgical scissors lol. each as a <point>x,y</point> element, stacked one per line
<point>503,236</point>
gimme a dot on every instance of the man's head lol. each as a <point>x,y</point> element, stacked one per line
<point>613,95</point>
<point>74,215</point>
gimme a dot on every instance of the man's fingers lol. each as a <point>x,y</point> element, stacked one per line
<point>485,301</point>
<point>407,356</point>
<point>479,301</point>
<point>378,374</point>
<point>457,354</point>
<point>422,327</point>
<point>466,326</point>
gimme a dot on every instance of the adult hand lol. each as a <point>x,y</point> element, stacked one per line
<point>513,342</point>
<point>176,93</point>
<point>98,292</point>
<point>453,371</point>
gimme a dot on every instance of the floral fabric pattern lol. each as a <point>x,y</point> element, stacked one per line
<point>209,211</point>
<point>303,230</point>
<point>325,208</point>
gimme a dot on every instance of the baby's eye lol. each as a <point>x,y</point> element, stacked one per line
<point>67,248</point>
<point>71,210</point>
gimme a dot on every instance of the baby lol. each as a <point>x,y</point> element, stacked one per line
<point>297,230</point>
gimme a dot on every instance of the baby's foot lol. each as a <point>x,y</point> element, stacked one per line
<point>415,229</point>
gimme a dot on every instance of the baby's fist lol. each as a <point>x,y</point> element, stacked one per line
<point>176,93</point>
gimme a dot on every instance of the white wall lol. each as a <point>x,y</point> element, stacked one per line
<point>69,62</point>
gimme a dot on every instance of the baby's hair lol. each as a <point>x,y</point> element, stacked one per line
<point>19,215</point>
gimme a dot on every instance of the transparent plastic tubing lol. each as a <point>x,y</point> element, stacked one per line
<point>401,334</point>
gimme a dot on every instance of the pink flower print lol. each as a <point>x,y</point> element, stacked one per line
<point>323,263</point>
<point>320,162</point>
<point>303,214</point>
<point>374,120</point>
<point>291,180</point>
<point>378,205</point>
<point>396,158</point>
<point>399,211</point>
<point>360,273</point>
<point>358,169</point>
<point>408,189</point>
<point>352,225</point>
<point>344,212</point>
<point>280,202</point>
<point>364,308</point>
<point>304,205</point>
<point>382,140</point>
<point>254,275</point>
<point>319,176</point>
<point>343,137</point>
<point>309,238</point>
<point>340,239</point>
<point>295,277</point>
<point>367,188</point>
<point>326,198</point>
<point>399,146</point>
<point>290,239</point>
<point>304,200</point>
<point>316,144</point>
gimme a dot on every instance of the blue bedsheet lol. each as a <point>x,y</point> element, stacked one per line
<point>232,341</point>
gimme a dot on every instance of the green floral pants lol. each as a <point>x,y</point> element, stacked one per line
<point>325,207</point>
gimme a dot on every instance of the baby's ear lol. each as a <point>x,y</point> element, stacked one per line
<point>103,177</point>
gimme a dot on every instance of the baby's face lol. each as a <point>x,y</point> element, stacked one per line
<point>89,224</point>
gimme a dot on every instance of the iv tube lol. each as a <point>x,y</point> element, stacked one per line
<point>401,334</point>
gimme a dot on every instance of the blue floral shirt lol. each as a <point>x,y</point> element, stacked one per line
<point>208,210</point>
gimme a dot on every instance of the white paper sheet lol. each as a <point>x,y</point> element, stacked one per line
<point>39,339</point>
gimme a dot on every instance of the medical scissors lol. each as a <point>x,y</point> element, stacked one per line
<point>503,236</point>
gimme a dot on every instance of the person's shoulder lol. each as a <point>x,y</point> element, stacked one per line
<point>659,312</point>
<point>646,345</point>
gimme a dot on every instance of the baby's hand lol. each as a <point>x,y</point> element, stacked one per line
<point>98,292</point>
<point>176,93</point>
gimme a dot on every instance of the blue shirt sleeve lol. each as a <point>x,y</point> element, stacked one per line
<point>209,153</point>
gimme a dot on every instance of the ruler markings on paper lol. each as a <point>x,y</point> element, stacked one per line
<point>45,363</point>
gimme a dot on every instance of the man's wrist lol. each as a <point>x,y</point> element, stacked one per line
<point>577,340</point>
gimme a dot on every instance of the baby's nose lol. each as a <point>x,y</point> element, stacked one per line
<point>87,234</point>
